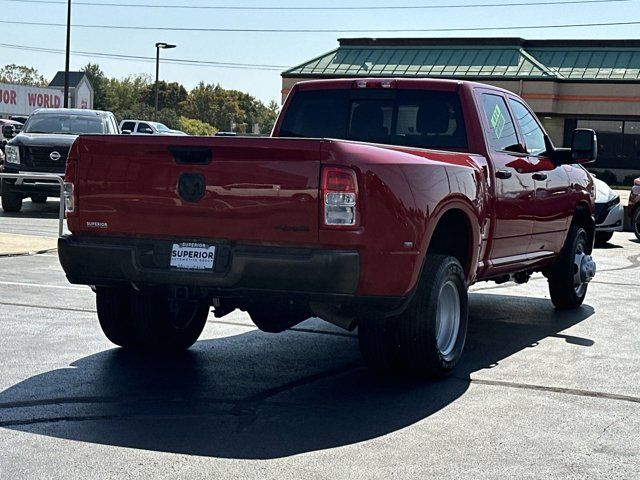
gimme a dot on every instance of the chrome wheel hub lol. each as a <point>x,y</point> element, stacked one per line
<point>583,271</point>
<point>447,318</point>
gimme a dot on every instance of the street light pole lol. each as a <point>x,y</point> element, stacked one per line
<point>66,62</point>
<point>159,45</point>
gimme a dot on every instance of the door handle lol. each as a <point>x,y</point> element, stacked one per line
<point>503,174</point>
<point>539,176</point>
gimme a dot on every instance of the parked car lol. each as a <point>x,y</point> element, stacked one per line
<point>376,205</point>
<point>42,147</point>
<point>633,209</point>
<point>10,128</point>
<point>143,127</point>
<point>609,212</point>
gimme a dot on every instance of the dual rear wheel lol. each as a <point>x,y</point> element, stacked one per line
<point>427,339</point>
<point>149,320</point>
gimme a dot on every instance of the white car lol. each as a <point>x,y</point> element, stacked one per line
<point>609,212</point>
<point>143,127</point>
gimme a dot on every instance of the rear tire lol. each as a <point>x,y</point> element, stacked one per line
<point>114,315</point>
<point>11,201</point>
<point>39,198</point>
<point>427,339</point>
<point>565,292</point>
<point>164,325</point>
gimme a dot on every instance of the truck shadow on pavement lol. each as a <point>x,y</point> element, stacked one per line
<point>260,396</point>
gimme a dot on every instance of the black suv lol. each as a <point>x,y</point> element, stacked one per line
<point>42,147</point>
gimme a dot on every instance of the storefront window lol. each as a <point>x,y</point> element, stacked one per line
<point>610,142</point>
<point>632,143</point>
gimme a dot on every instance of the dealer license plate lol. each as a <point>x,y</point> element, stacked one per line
<point>192,256</point>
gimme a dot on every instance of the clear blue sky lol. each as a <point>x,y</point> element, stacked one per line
<point>286,49</point>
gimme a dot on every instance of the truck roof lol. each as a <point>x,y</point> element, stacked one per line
<point>70,111</point>
<point>402,83</point>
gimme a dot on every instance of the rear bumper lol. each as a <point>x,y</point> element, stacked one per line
<point>29,187</point>
<point>238,268</point>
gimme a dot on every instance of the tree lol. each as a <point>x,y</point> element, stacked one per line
<point>214,105</point>
<point>170,95</point>
<point>22,75</point>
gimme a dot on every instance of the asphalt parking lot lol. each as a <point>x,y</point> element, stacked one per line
<point>538,394</point>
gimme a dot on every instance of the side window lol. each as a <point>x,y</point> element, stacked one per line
<point>144,128</point>
<point>502,131</point>
<point>129,126</point>
<point>531,131</point>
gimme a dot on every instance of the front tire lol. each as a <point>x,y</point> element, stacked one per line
<point>164,325</point>
<point>635,222</point>
<point>426,341</point>
<point>566,283</point>
<point>11,201</point>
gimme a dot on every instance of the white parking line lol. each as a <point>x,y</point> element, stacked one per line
<point>42,285</point>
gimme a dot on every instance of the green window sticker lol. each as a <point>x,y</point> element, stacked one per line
<point>497,121</point>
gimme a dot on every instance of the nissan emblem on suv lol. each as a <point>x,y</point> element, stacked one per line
<point>55,156</point>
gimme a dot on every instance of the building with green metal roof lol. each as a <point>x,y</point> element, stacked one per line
<point>568,83</point>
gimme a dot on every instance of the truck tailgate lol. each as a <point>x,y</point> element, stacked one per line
<point>258,190</point>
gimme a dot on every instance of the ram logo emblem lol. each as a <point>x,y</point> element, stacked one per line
<point>191,187</point>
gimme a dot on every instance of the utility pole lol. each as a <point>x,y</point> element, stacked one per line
<point>67,55</point>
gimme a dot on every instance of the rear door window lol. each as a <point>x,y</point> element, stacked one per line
<point>502,132</point>
<point>131,126</point>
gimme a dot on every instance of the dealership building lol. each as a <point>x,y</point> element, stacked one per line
<point>568,83</point>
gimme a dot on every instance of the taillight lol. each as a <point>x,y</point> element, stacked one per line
<point>384,83</point>
<point>69,200</point>
<point>70,174</point>
<point>339,197</point>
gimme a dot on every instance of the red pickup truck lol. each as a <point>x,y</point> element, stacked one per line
<point>375,203</point>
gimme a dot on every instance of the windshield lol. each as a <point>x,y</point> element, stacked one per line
<point>415,118</point>
<point>64,124</point>
<point>162,128</point>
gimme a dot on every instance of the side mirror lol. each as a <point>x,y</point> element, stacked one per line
<point>126,132</point>
<point>584,146</point>
<point>8,131</point>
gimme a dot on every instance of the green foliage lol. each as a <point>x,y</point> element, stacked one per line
<point>22,75</point>
<point>212,106</point>
<point>170,95</point>
<point>195,127</point>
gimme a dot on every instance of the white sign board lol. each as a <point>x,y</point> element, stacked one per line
<point>83,96</point>
<point>22,99</point>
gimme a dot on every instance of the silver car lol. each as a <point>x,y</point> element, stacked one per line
<point>609,212</point>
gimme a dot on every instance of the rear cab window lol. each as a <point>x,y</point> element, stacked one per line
<point>414,118</point>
